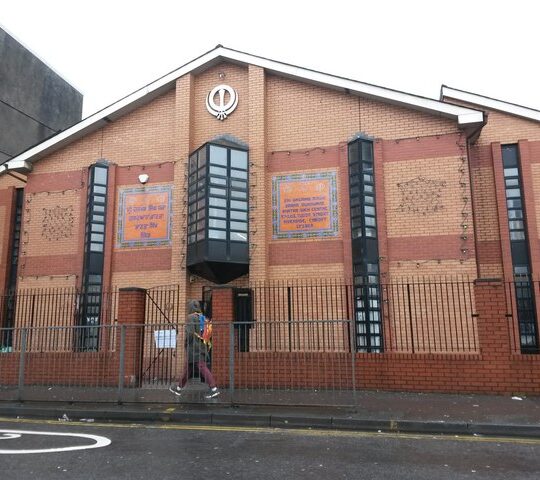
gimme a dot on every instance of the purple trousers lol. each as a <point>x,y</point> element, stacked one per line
<point>204,372</point>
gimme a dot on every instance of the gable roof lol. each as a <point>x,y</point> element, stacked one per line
<point>491,103</point>
<point>465,117</point>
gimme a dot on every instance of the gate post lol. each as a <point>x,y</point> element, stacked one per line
<point>131,316</point>
<point>222,319</point>
<point>492,323</point>
<point>22,363</point>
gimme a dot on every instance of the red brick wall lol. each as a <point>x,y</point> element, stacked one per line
<point>496,369</point>
<point>222,316</point>
<point>89,369</point>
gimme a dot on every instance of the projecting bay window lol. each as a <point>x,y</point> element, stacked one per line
<point>92,285</point>
<point>218,212</point>
<point>365,250</point>
<point>519,244</point>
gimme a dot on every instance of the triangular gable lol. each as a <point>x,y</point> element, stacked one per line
<point>466,118</point>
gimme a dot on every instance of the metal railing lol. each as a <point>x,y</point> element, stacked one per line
<point>55,307</point>
<point>521,297</point>
<point>429,316</point>
<point>140,362</point>
<point>419,315</point>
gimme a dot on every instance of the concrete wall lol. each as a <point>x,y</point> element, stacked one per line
<point>35,102</point>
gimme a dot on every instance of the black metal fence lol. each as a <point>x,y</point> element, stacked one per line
<point>423,315</point>
<point>419,315</point>
<point>56,307</point>
<point>522,297</point>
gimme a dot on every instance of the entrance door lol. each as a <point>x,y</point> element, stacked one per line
<point>243,317</point>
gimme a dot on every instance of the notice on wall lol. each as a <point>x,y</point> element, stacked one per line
<point>165,338</point>
<point>144,217</point>
<point>305,205</point>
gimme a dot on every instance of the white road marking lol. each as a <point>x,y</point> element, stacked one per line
<point>10,434</point>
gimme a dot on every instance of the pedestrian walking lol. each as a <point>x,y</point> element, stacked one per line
<point>197,343</point>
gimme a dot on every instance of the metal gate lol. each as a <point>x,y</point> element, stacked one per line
<point>161,359</point>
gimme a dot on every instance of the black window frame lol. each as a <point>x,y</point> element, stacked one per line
<point>368,312</point>
<point>205,182</point>
<point>10,294</point>
<point>90,301</point>
<point>519,247</point>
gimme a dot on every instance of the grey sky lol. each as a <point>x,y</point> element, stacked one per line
<point>107,49</point>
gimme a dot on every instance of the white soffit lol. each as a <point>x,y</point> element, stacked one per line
<point>465,117</point>
<point>491,103</point>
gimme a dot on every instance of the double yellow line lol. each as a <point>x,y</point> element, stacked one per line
<point>286,431</point>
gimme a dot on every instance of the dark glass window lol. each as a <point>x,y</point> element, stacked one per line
<point>519,244</point>
<point>368,316</point>
<point>10,299</point>
<point>92,285</point>
<point>218,191</point>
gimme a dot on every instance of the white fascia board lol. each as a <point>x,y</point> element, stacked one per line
<point>103,117</point>
<point>465,116</point>
<point>491,103</point>
<point>20,166</point>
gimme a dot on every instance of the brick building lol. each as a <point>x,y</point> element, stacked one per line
<point>235,169</point>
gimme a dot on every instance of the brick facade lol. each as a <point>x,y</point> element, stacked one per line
<point>290,127</point>
<point>439,198</point>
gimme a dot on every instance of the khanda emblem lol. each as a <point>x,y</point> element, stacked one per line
<point>221,110</point>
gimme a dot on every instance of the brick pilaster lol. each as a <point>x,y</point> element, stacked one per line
<point>260,215</point>
<point>222,318</point>
<point>131,314</point>
<point>492,323</point>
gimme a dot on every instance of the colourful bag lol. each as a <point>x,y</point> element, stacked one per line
<point>205,328</point>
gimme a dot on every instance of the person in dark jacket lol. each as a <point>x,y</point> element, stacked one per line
<point>197,351</point>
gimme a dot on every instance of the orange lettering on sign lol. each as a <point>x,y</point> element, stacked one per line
<point>146,216</point>
<point>304,205</point>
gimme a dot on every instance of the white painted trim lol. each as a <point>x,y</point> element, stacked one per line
<point>16,165</point>
<point>11,434</point>
<point>491,103</point>
<point>465,117</point>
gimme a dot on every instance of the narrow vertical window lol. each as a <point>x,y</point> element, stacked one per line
<point>519,244</point>
<point>365,250</point>
<point>10,294</point>
<point>92,285</point>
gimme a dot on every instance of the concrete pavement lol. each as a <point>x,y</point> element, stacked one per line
<point>384,411</point>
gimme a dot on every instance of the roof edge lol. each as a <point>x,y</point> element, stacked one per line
<point>491,103</point>
<point>465,117</point>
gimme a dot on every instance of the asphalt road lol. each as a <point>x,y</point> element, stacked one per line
<point>167,451</point>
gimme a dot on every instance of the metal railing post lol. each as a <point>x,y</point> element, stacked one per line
<point>352,336</point>
<point>22,361</point>
<point>121,366</point>
<point>410,316</point>
<point>231,361</point>
<point>289,310</point>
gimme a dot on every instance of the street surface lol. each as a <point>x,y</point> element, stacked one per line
<point>172,451</point>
